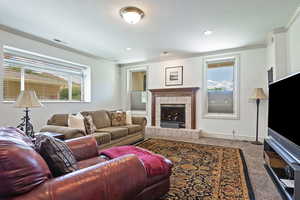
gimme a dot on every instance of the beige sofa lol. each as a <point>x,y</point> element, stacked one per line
<point>106,134</point>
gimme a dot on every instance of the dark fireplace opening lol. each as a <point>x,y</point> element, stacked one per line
<point>172,115</point>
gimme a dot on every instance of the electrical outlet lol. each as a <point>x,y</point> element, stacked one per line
<point>233,133</point>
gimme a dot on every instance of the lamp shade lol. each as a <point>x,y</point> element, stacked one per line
<point>27,99</point>
<point>258,93</point>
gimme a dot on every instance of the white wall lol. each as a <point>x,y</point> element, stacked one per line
<point>294,45</point>
<point>105,83</point>
<point>277,54</point>
<point>252,74</point>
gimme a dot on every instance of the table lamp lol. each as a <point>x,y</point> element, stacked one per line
<point>27,99</point>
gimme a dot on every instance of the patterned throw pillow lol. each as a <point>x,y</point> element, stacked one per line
<point>118,118</point>
<point>90,127</point>
<point>128,118</point>
<point>57,155</point>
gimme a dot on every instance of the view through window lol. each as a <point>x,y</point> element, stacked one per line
<point>220,77</point>
<point>138,94</point>
<point>51,80</point>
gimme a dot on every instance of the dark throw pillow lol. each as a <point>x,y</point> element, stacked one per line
<point>57,154</point>
<point>90,127</point>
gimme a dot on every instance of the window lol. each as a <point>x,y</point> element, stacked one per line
<point>138,94</point>
<point>52,79</point>
<point>136,86</point>
<point>221,87</point>
<point>11,83</point>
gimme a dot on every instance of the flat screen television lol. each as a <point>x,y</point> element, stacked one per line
<point>284,109</point>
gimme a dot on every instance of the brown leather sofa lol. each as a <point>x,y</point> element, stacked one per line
<point>106,135</point>
<point>25,175</point>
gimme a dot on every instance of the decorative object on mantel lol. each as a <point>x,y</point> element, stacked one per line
<point>174,76</point>
<point>27,99</point>
<point>258,95</point>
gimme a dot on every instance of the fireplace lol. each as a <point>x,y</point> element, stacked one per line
<point>174,107</point>
<point>172,115</point>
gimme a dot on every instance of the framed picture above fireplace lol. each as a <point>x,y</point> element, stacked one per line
<point>174,76</point>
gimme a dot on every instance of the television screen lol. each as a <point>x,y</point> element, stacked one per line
<point>284,108</point>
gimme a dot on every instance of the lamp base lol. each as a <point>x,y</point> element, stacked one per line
<point>257,143</point>
<point>25,125</point>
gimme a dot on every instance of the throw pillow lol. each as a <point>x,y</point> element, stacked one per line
<point>76,121</point>
<point>118,118</point>
<point>57,154</point>
<point>90,127</point>
<point>128,118</point>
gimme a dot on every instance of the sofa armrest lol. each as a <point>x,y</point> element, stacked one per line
<point>118,179</point>
<point>66,131</point>
<point>140,121</point>
<point>83,148</point>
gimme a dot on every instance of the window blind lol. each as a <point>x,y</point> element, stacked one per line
<point>51,78</point>
<point>30,60</point>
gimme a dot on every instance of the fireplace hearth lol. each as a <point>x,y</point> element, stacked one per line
<point>172,115</point>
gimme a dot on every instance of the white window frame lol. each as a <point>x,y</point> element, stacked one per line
<point>129,71</point>
<point>86,73</point>
<point>236,90</point>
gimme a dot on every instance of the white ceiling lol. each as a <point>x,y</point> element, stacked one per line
<point>177,26</point>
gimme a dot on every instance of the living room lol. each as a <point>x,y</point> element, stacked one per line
<point>123,85</point>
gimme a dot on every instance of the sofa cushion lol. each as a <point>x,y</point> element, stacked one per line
<point>57,154</point>
<point>102,137</point>
<point>59,120</point>
<point>21,167</point>
<point>101,118</point>
<point>133,128</point>
<point>68,132</point>
<point>115,132</point>
<point>118,118</point>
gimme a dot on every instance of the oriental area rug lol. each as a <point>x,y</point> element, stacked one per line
<point>203,172</point>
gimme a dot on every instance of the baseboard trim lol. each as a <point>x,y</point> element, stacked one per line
<point>228,137</point>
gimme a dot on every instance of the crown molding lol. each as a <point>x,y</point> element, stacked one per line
<point>48,42</point>
<point>293,19</point>
<point>192,55</point>
<point>280,30</point>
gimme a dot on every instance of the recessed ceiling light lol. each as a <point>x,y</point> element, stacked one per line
<point>207,32</point>
<point>132,15</point>
<point>165,53</point>
<point>128,49</point>
<point>59,41</point>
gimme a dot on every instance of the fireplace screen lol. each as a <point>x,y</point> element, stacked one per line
<point>172,115</point>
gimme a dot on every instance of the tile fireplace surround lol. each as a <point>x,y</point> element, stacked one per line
<point>185,96</point>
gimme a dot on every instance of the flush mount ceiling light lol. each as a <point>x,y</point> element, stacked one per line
<point>132,15</point>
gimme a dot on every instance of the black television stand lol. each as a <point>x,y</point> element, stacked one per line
<point>283,168</point>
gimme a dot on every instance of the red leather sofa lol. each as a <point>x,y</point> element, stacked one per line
<point>24,175</point>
